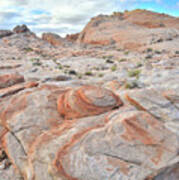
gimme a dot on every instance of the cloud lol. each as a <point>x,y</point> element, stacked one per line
<point>59,15</point>
<point>54,13</point>
<point>8,15</point>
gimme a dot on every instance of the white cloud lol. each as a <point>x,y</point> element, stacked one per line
<point>72,14</point>
<point>58,15</point>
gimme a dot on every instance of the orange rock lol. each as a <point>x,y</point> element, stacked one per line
<point>130,30</point>
<point>72,37</point>
<point>53,39</point>
<point>10,79</point>
<point>87,101</point>
<point>16,88</point>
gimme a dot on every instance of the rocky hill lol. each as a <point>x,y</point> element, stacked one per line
<point>101,104</point>
<point>132,30</point>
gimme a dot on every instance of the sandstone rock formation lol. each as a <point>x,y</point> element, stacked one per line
<point>129,30</point>
<point>87,101</point>
<point>7,80</point>
<point>53,39</point>
<point>88,133</point>
<point>72,37</point>
<point>91,112</point>
<point>21,29</point>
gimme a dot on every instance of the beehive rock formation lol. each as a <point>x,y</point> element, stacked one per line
<point>88,132</point>
<point>92,112</point>
<point>87,101</point>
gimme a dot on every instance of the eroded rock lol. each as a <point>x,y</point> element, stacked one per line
<point>7,80</point>
<point>21,29</point>
<point>125,144</point>
<point>87,101</point>
<point>53,39</point>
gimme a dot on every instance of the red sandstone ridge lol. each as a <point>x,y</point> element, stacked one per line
<point>131,29</point>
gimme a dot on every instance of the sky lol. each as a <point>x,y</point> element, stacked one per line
<point>70,16</point>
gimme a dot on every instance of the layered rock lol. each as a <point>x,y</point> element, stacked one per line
<point>129,30</point>
<point>72,37</point>
<point>87,101</point>
<point>53,39</point>
<point>125,144</point>
<point>10,79</point>
<point>87,133</point>
<point>114,116</point>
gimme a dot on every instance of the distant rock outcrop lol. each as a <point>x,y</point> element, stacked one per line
<point>72,37</point>
<point>72,111</point>
<point>131,29</point>
<point>53,39</point>
<point>21,29</point>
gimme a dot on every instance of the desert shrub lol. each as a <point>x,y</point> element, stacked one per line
<point>88,73</point>
<point>100,75</point>
<point>134,73</point>
<point>131,85</point>
<point>122,60</point>
<point>149,56</point>
<point>114,68</point>
<point>149,49</point>
<point>126,52</point>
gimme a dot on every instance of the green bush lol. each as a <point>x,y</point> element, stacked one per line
<point>134,73</point>
<point>126,53</point>
<point>88,73</point>
<point>122,60</point>
<point>149,49</point>
<point>114,68</point>
<point>101,75</point>
<point>131,85</point>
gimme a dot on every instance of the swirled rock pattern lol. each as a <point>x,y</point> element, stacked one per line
<point>87,101</point>
<point>87,112</point>
<point>87,132</point>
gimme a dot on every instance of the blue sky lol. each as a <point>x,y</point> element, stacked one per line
<point>70,16</point>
